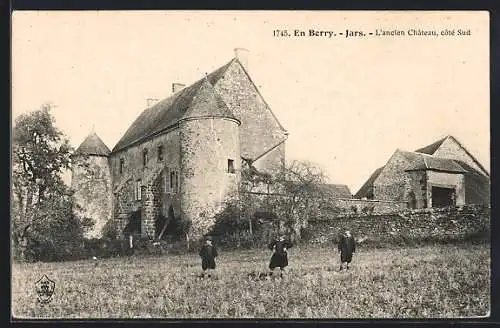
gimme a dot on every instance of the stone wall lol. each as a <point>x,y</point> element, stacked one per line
<point>391,183</point>
<point>154,178</point>
<point>451,149</point>
<point>151,207</point>
<point>259,129</point>
<point>352,205</point>
<point>272,160</point>
<point>91,182</point>
<point>416,192</point>
<point>206,146</point>
<point>133,156</point>
<point>124,205</point>
<point>456,223</point>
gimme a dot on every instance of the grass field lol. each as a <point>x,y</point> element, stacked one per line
<point>426,282</point>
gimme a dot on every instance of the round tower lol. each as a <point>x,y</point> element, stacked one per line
<point>210,159</point>
<point>91,183</point>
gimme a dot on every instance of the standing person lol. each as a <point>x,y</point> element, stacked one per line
<point>346,247</point>
<point>208,253</point>
<point>279,257</point>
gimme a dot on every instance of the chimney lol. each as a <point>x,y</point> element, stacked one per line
<point>242,55</point>
<point>177,87</point>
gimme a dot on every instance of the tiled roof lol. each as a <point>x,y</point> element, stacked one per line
<point>431,149</point>
<point>207,102</point>
<point>169,111</point>
<point>336,190</point>
<point>428,162</point>
<point>366,189</point>
<point>92,145</point>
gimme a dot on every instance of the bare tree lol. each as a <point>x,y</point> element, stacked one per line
<point>295,192</point>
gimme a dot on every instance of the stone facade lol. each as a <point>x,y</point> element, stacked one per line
<point>154,178</point>
<point>91,182</point>
<point>260,131</point>
<point>444,170</point>
<point>477,180</point>
<point>416,190</point>
<point>391,183</point>
<point>207,181</point>
<point>451,148</point>
<point>182,156</point>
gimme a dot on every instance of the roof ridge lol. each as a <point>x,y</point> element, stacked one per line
<point>165,113</point>
<point>471,156</point>
<point>260,94</point>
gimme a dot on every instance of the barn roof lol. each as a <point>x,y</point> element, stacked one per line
<point>336,190</point>
<point>169,111</point>
<point>431,149</point>
<point>92,145</point>
<point>420,161</point>
<point>366,189</point>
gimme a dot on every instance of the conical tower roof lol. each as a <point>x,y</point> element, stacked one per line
<point>93,145</point>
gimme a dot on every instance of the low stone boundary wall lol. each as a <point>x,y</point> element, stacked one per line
<point>456,223</point>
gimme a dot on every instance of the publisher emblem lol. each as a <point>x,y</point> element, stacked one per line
<point>45,289</point>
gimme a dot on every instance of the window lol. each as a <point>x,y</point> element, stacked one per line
<point>174,181</point>
<point>122,165</point>
<point>165,181</point>
<point>160,153</point>
<point>145,157</point>
<point>230,166</point>
<point>138,191</point>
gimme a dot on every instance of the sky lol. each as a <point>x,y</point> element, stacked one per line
<point>347,103</point>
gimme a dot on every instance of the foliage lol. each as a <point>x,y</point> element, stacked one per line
<point>43,224</point>
<point>301,195</point>
<point>404,282</point>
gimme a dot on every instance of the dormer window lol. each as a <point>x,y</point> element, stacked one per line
<point>145,157</point>
<point>230,166</point>
<point>160,153</point>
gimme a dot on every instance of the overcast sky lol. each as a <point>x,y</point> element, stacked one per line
<point>348,104</point>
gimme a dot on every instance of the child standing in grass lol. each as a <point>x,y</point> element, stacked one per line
<point>208,253</point>
<point>279,257</point>
<point>346,247</point>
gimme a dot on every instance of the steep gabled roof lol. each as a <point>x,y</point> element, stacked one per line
<point>336,190</point>
<point>470,155</point>
<point>92,145</point>
<point>167,112</point>
<point>428,162</point>
<point>431,149</point>
<point>418,161</point>
<point>366,189</point>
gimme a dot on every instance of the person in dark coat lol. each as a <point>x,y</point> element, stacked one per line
<point>279,259</point>
<point>346,247</point>
<point>208,253</point>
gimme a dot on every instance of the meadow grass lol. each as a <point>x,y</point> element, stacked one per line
<point>442,281</point>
